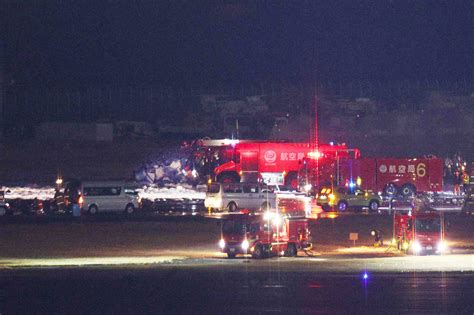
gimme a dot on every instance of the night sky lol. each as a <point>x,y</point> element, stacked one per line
<point>196,43</point>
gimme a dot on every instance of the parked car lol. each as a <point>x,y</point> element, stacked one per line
<point>235,196</point>
<point>343,198</point>
<point>106,196</point>
<point>25,206</point>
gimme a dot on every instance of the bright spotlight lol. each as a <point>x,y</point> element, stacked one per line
<point>245,245</point>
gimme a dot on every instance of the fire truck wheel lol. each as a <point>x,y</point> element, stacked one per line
<point>231,255</point>
<point>258,252</point>
<point>232,207</point>
<point>291,250</point>
<point>408,190</point>
<point>342,206</point>
<point>390,190</point>
<point>129,209</point>
<point>373,205</point>
<point>93,209</point>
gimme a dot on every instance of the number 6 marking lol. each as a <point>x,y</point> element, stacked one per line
<point>421,170</point>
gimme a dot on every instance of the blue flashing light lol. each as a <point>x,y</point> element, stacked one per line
<point>331,143</point>
<point>365,276</point>
<point>352,184</point>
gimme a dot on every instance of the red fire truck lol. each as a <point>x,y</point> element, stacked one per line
<point>275,163</point>
<point>420,232</point>
<point>264,235</point>
<point>300,165</point>
<point>394,176</point>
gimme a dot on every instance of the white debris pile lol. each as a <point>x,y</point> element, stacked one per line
<point>161,173</point>
<point>178,192</point>
<point>146,192</point>
<point>168,168</point>
<point>42,193</point>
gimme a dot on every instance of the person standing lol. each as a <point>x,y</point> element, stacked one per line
<point>465,180</point>
<point>457,183</point>
<point>74,196</point>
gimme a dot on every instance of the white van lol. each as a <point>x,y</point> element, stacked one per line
<point>234,196</point>
<point>109,197</point>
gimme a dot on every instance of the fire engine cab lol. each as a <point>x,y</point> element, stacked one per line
<point>263,235</point>
<point>420,233</point>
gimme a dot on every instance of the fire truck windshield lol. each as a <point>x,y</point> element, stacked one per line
<point>239,227</point>
<point>234,227</point>
<point>204,160</point>
<point>427,225</point>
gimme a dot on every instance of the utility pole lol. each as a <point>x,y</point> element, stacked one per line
<point>2,83</point>
<point>315,134</point>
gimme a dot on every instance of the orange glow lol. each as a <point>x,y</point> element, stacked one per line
<point>332,215</point>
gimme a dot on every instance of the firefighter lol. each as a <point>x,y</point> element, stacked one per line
<point>378,237</point>
<point>457,183</point>
<point>59,202</point>
<point>73,197</point>
<point>465,181</point>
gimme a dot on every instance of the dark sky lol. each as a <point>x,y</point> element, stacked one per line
<point>196,43</point>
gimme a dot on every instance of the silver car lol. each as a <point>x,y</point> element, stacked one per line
<point>235,196</point>
<point>109,197</point>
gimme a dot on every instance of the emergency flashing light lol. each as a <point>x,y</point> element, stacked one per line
<point>209,181</point>
<point>245,245</point>
<point>365,276</point>
<point>417,247</point>
<point>59,181</point>
<point>358,181</point>
<point>232,142</point>
<point>442,247</point>
<point>222,244</point>
<point>267,215</point>
<point>314,154</point>
<point>352,184</point>
<point>276,220</point>
<point>405,246</point>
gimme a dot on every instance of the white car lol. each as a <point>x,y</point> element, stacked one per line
<point>235,196</point>
<point>109,197</point>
